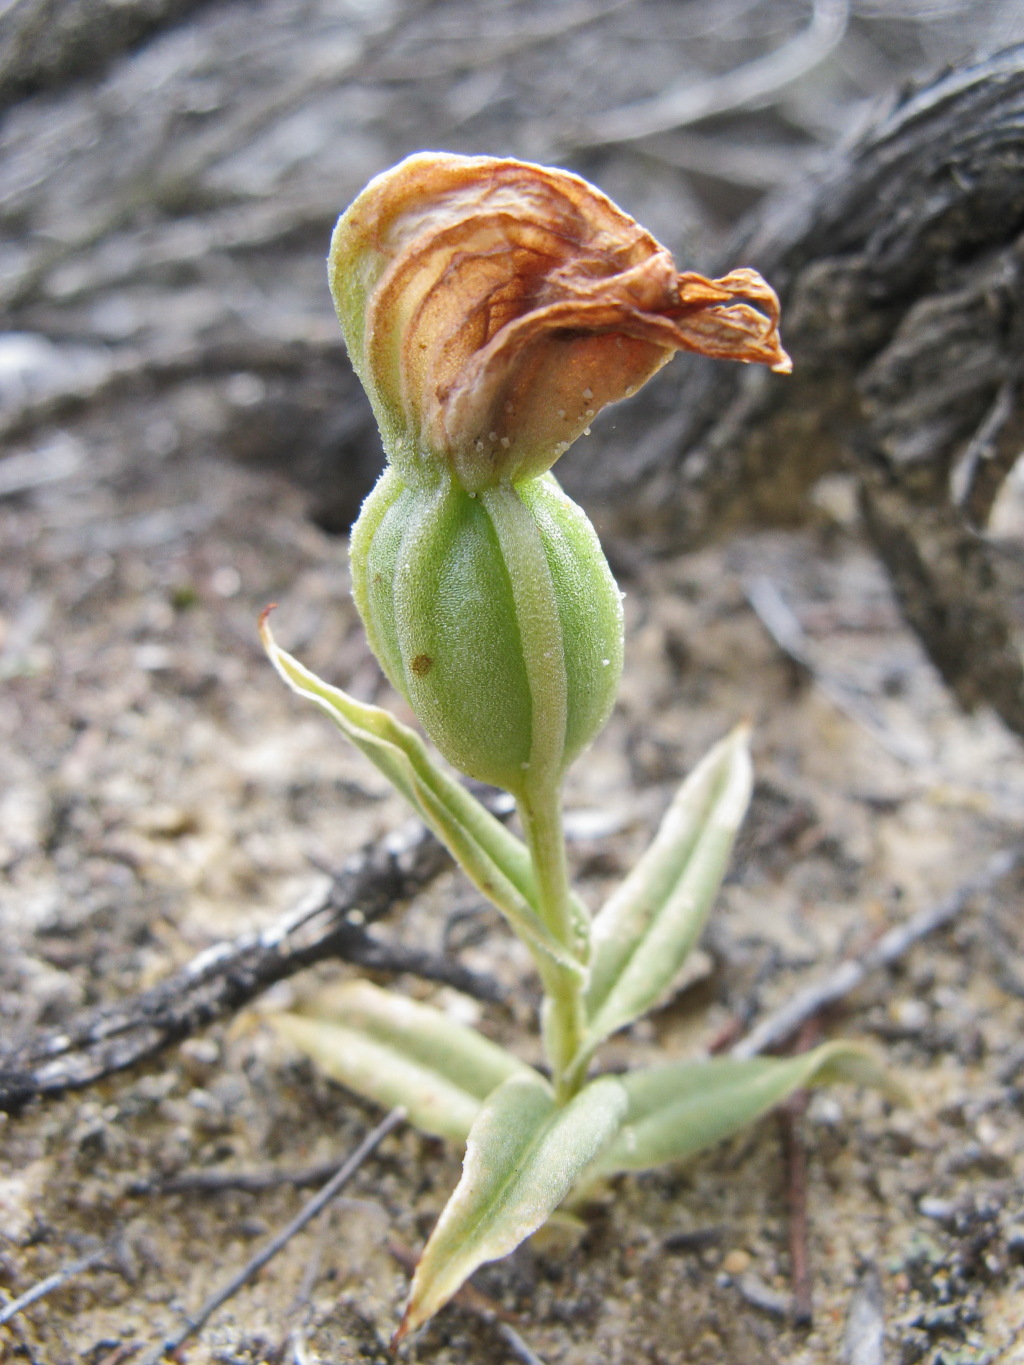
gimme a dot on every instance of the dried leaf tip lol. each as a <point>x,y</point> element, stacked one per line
<point>492,307</point>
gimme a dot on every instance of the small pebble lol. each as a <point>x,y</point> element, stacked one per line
<point>911,1015</point>
<point>736,1262</point>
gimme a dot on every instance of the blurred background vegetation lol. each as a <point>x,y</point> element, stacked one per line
<point>170,171</point>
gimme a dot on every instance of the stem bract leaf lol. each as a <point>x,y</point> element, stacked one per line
<point>643,933</point>
<point>493,859</point>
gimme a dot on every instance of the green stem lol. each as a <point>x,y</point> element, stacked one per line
<point>564,1017</point>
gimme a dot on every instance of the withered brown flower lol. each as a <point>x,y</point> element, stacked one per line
<point>493,307</point>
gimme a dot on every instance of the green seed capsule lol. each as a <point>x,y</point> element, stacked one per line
<point>491,309</point>
<point>496,616</point>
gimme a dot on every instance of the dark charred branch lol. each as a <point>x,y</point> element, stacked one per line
<point>898,267</point>
<point>50,42</point>
<point>227,976</point>
<point>900,272</point>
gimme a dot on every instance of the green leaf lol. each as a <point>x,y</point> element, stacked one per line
<point>677,1110</point>
<point>394,1051</point>
<point>423,1034</point>
<point>642,934</point>
<point>522,1157</point>
<point>493,859</point>
<point>379,1073</point>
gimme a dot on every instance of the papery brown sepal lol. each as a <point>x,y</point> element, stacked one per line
<point>493,307</point>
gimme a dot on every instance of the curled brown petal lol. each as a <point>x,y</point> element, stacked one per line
<point>507,303</point>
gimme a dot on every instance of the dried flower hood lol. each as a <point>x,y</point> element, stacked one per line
<point>493,307</point>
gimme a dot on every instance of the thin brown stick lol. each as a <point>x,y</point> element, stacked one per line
<point>840,982</point>
<point>341,1177</point>
<point>249,1182</point>
<point>794,1153</point>
<point>121,1353</point>
<point>332,923</point>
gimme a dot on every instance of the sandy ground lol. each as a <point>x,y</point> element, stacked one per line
<point>160,790</point>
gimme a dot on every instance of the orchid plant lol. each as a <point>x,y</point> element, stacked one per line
<point>491,308</point>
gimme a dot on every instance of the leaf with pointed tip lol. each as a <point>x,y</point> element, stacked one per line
<point>494,859</point>
<point>677,1110</point>
<point>522,1157</point>
<point>395,1051</point>
<point>642,934</point>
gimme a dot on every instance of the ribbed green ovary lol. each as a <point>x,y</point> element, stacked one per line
<point>590,607</point>
<point>435,594</point>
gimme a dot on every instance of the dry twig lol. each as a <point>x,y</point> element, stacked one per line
<point>219,981</point>
<point>749,85</point>
<point>249,1182</point>
<point>341,1177</point>
<point>795,1154</point>
<point>812,1000</point>
<point>52,1282</point>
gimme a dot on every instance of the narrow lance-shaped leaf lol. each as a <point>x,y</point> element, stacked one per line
<point>393,1050</point>
<point>493,859</point>
<point>643,933</point>
<point>423,1033</point>
<point>382,1074</point>
<point>677,1110</point>
<point>522,1158</point>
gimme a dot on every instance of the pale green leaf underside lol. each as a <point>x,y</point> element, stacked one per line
<point>522,1157</point>
<point>651,922</point>
<point>677,1110</point>
<point>380,1071</point>
<point>408,1043</point>
<point>495,860</point>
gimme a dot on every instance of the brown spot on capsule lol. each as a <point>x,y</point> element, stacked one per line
<point>421,665</point>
